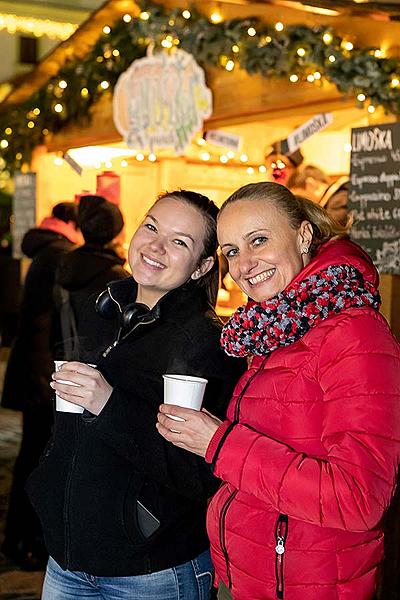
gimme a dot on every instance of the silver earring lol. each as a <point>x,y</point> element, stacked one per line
<point>305,250</point>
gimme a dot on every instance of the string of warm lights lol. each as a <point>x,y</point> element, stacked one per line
<point>54,30</point>
<point>298,53</point>
<point>229,158</point>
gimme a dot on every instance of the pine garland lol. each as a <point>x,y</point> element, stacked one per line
<point>298,52</point>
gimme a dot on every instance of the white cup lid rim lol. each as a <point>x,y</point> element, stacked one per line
<point>188,378</point>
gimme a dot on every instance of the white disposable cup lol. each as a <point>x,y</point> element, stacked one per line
<point>184,390</point>
<point>64,405</point>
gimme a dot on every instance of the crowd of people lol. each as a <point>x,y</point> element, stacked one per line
<point>278,487</point>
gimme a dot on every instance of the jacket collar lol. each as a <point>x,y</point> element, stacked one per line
<point>186,298</point>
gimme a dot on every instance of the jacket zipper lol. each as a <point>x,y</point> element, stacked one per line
<point>281,532</point>
<point>119,339</point>
<point>231,497</point>
<point>248,382</point>
<point>68,489</point>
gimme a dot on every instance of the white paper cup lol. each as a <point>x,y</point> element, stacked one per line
<point>64,405</point>
<point>184,390</point>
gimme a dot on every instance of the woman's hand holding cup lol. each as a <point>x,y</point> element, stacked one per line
<point>81,385</point>
<point>194,430</point>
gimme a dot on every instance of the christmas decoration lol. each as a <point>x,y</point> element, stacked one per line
<point>295,52</point>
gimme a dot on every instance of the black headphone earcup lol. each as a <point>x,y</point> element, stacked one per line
<point>133,313</point>
<point>105,306</point>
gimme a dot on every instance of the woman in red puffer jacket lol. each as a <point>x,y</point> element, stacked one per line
<point>310,448</point>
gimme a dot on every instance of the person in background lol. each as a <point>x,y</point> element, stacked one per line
<point>308,181</point>
<point>87,270</point>
<point>335,200</point>
<point>126,512</point>
<point>282,164</point>
<point>28,370</point>
<point>310,448</point>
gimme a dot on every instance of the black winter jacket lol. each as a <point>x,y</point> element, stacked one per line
<point>30,363</point>
<point>98,472</point>
<point>88,270</point>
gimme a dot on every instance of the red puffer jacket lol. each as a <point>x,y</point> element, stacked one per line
<point>309,458</point>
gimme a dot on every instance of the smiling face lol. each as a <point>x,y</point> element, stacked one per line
<point>264,252</point>
<point>165,250</point>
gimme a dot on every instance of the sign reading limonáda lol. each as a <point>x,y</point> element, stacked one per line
<point>374,194</point>
<point>161,101</point>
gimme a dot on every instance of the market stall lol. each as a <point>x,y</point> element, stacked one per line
<point>270,68</point>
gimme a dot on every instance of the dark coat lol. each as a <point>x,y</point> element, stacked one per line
<point>96,469</point>
<point>31,359</point>
<point>86,271</point>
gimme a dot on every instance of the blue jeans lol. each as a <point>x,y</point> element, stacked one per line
<point>190,581</point>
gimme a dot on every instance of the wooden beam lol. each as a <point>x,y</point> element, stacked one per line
<point>75,47</point>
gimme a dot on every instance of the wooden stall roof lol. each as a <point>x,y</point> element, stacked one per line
<point>238,97</point>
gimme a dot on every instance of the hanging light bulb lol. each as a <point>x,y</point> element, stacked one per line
<point>216,17</point>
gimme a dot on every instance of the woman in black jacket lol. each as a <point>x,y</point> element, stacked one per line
<point>88,269</point>
<point>123,511</point>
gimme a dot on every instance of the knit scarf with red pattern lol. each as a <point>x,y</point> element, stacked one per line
<point>260,328</point>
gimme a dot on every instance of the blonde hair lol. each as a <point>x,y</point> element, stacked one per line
<point>296,208</point>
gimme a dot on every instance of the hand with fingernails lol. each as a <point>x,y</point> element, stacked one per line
<point>90,389</point>
<point>193,433</point>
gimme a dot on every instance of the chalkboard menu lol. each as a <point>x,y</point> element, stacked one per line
<point>374,193</point>
<point>24,208</point>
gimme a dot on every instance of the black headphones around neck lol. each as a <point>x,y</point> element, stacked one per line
<point>131,314</point>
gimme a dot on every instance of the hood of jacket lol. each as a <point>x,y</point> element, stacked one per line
<point>340,252</point>
<point>37,239</point>
<point>79,267</point>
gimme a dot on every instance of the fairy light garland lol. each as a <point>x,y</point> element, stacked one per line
<point>54,30</point>
<point>297,53</point>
